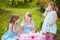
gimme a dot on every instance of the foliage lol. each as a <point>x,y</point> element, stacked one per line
<point>57,2</point>
<point>38,2</point>
<point>58,13</point>
<point>42,8</point>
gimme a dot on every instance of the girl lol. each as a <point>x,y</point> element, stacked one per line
<point>49,24</point>
<point>13,29</point>
<point>27,25</point>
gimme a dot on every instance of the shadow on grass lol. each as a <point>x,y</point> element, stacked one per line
<point>3,11</point>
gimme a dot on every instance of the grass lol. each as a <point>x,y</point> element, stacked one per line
<point>36,15</point>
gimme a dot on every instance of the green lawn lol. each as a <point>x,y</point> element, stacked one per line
<point>37,17</point>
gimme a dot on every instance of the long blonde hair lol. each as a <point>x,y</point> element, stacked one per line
<point>28,14</point>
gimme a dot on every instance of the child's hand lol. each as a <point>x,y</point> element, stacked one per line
<point>50,24</point>
<point>47,9</point>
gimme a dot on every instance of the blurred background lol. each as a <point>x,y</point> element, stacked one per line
<point>36,7</point>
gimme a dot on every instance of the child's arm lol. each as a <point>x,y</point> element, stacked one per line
<point>17,31</point>
<point>10,26</point>
<point>45,13</point>
<point>55,19</point>
<point>21,27</point>
<point>33,26</point>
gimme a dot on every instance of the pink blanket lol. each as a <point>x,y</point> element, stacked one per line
<point>30,37</point>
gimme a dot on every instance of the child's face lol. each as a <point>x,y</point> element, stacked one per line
<point>17,21</point>
<point>49,5</point>
<point>28,19</point>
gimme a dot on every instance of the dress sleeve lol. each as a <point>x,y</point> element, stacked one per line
<point>32,23</point>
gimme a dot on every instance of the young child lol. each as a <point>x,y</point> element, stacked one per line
<point>27,25</point>
<point>49,24</point>
<point>13,29</point>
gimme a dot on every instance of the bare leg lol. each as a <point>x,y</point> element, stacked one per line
<point>51,36</point>
<point>47,35</point>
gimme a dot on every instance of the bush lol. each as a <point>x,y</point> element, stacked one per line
<point>12,3</point>
<point>23,4</point>
<point>58,3</point>
<point>38,2</point>
<point>18,3</point>
<point>58,13</point>
<point>42,8</point>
